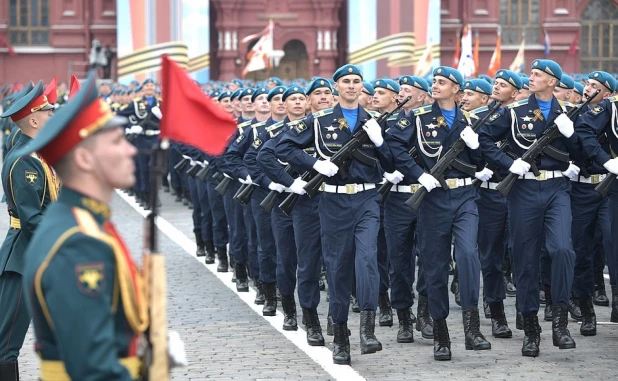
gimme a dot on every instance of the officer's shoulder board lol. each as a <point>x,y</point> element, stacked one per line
<point>375,114</point>
<point>422,110</point>
<point>244,124</point>
<point>274,127</point>
<point>321,113</point>
<point>474,113</point>
<point>137,99</point>
<point>258,124</point>
<point>522,102</point>
<point>613,99</point>
<point>392,118</point>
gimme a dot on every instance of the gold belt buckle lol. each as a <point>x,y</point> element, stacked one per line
<point>452,183</point>
<point>415,187</point>
<point>542,175</point>
<point>322,187</point>
<point>351,189</point>
<point>594,179</point>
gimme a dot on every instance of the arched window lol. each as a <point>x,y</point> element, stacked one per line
<point>29,22</point>
<point>518,17</point>
<point>599,37</point>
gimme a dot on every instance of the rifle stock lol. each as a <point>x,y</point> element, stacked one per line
<point>244,196</point>
<point>269,201</point>
<point>181,165</point>
<point>223,185</point>
<point>288,203</point>
<point>202,173</point>
<point>606,185</point>
<point>193,170</point>
<point>385,188</point>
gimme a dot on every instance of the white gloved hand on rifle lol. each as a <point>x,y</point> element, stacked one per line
<point>470,137</point>
<point>374,131</point>
<point>572,171</point>
<point>326,168</point>
<point>565,125</point>
<point>276,187</point>
<point>519,167</point>
<point>428,181</point>
<point>484,175</point>
<point>393,178</point>
<point>298,186</point>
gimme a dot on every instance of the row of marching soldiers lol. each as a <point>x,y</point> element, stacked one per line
<point>368,242</point>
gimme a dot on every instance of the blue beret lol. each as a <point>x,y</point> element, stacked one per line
<point>525,83</point>
<point>236,94</point>
<point>523,75</point>
<point>276,80</point>
<point>135,82</point>
<point>548,66</point>
<point>388,84</point>
<point>368,87</point>
<point>566,82</point>
<point>31,101</point>
<point>214,94</point>
<point>605,78</point>
<point>224,94</point>
<point>257,93</point>
<point>450,74</point>
<point>579,88</point>
<point>275,90</point>
<point>148,80</point>
<point>237,82</point>
<point>479,85</point>
<point>510,77</point>
<point>137,89</point>
<point>417,82</point>
<point>293,90</point>
<point>246,92</point>
<point>316,84</point>
<point>335,92</point>
<point>348,69</point>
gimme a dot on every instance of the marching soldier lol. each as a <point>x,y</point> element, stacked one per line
<point>30,186</point>
<point>366,98</point>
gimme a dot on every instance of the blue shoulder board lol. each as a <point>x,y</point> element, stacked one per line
<point>422,110</point>
<point>613,99</point>
<point>323,112</point>
<point>375,114</point>
<point>258,124</point>
<point>274,126</point>
<point>392,118</point>
<point>518,103</point>
<point>244,124</point>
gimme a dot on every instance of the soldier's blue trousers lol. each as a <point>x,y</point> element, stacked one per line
<point>195,200</point>
<point>283,230</point>
<point>443,215</point>
<point>306,220</point>
<point>589,211</point>
<point>599,260</point>
<point>207,220</point>
<point>383,255</point>
<point>267,251</point>
<point>400,228</point>
<point>219,219</point>
<point>350,225</point>
<point>174,157</point>
<point>145,145</point>
<point>253,247</point>
<point>14,318</point>
<point>492,233</point>
<point>237,233</point>
<point>613,216</point>
<point>540,209</point>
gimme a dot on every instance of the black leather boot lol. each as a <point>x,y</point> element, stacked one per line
<point>146,201</point>
<point>201,251</point>
<point>405,333</point>
<point>242,284</point>
<point>386,312</point>
<point>210,252</point>
<point>222,254</point>
<point>548,316</point>
<point>519,318</point>
<point>368,341</point>
<point>441,341</point>
<point>412,316</point>
<point>341,344</point>
<point>507,276</point>
<point>499,325</point>
<point>589,318</point>
<point>424,323</point>
<point>486,309</point>
<point>232,261</point>
<point>9,371</point>
<point>600,297</point>
<point>574,310</point>
<point>289,313</point>
<point>532,338</point>
<point>561,336</point>
<point>313,327</point>
<point>270,299</point>
<point>614,316</point>
<point>472,328</point>
<point>178,194</point>
<point>259,297</point>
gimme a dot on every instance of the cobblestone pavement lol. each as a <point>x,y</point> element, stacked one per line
<point>228,339</point>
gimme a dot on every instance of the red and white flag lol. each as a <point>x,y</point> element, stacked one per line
<point>425,63</point>
<point>260,55</point>
<point>496,58</point>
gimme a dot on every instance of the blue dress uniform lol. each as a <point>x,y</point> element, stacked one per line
<point>349,215</point>
<point>30,186</point>
<point>599,122</point>
<point>537,207</point>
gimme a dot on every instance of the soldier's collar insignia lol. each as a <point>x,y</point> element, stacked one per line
<point>90,278</point>
<point>96,207</point>
<point>31,177</point>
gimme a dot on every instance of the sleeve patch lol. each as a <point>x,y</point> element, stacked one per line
<point>90,278</point>
<point>494,116</point>
<point>596,110</point>
<point>257,143</point>
<point>403,123</point>
<point>31,177</point>
<point>300,127</point>
<point>240,138</point>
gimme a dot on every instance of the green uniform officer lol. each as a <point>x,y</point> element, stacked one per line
<point>82,287</point>
<point>29,186</point>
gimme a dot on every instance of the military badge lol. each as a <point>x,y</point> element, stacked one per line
<point>596,110</point>
<point>31,177</point>
<point>530,126</point>
<point>328,136</point>
<point>300,127</point>
<point>335,136</point>
<point>494,117</point>
<point>428,134</point>
<point>441,121</point>
<point>538,115</point>
<point>431,126</point>
<point>330,128</point>
<point>90,278</point>
<point>257,143</point>
<point>343,123</point>
<point>524,126</point>
<point>403,123</point>
<point>434,133</point>
<point>240,138</point>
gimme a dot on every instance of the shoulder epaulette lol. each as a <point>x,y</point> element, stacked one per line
<point>518,103</point>
<point>244,124</point>
<point>323,112</point>
<point>375,114</point>
<point>274,126</point>
<point>258,124</point>
<point>422,110</point>
<point>392,117</point>
<point>86,223</point>
<point>613,99</point>
<point>123,107</point>
<point>294,122</point>
<point>479,110</point>
<point>137,99</point>
<point>567,104</point>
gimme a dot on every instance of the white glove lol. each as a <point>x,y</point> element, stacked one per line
<point>297,186</point>
<point>246,181</point>
<point>186,157</point>
<point>612,165</point>
<point>394,178</point>
<point>519,167</point>
<point>326,168</point>
<point>137,129</point>
<point>565,125</point>
<point>128,131</point>
<point>572,171</point>
<point>484,175</point>
<point>374,131</point>
<point>176,350</point>
<point>276,187</point>
<point>428,181</point>
<point>200,164</point>
<point>157,112</point>
<point>205,162</point>
<point>226,175</point>
<point>470,137</point>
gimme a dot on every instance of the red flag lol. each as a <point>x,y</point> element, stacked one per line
<point>50,91</point>
<point>457,49</point>
<point>574,43</point>
<point>189,115</point>
<point>73,86</point>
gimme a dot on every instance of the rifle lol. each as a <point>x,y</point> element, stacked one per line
<point>269,201</point>
<point>194,170</point>
<point>181,165</point>
<point>537,148</point>
<point>154,275</point>
<point>385,188</point>
<point>288,203</point>
<point>606,185</point>
<point>223,185</point>
<point>349,150</point>
<point>245,192</point>
<point>218,176</point>
<point>201,174</point>
<point>448,161</point>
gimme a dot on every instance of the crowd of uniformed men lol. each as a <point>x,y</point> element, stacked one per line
<point>552,232</point>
